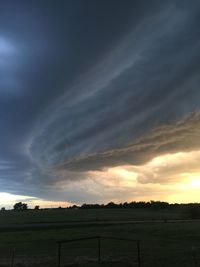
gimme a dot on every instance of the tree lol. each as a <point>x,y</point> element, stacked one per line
<point>19,206</point>
<point>111,205</point>
<point>3,209</point>
<point>36,207</point>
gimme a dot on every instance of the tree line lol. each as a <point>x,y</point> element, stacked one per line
<point>136,205</point>
<point>19,206</point>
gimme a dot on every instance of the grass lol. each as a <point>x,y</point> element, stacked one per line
<point>42,216</point>
<point>162,244</point>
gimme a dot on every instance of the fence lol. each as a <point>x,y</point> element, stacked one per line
<point>194,261</point>
<point>99,238</point>
<point>195,254</point>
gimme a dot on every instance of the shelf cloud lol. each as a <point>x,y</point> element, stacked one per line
<point>91,90</point>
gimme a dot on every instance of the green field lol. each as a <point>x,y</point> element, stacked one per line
<point>67,215</point>
<point>162,243</point>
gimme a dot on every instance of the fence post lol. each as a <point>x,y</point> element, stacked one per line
<point>59,254</point>
<point>194,256</point>
<point>138,253</point>
<point>99,249</point>
<point>12,258</point>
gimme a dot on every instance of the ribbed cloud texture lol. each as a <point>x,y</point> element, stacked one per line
<point>100,100</point>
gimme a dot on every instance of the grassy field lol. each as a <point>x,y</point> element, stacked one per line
<point>70,215</point>
<point>162,244</point>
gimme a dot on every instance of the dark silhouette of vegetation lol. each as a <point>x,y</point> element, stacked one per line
<point>137,205</point>
<point>190,210</point>
<point>19,206</point>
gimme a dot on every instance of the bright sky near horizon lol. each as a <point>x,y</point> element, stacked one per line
<point>99,101</point>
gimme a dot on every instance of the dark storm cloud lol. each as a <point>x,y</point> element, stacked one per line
<point>182,136</point>
<point>82,81</point>
<point>127,94</point>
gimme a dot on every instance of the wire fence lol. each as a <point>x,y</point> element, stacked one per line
<point>99,246</point>
<point>95,252</point>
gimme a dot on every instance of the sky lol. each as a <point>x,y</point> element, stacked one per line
<point>99,101</point>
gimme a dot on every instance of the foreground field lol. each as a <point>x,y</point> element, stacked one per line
<point>83,215</point>
<point>162,243</point>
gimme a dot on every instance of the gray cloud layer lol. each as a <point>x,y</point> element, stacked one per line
<point>144,82</point>
<point>100,88</point>
<point>182,136</point>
